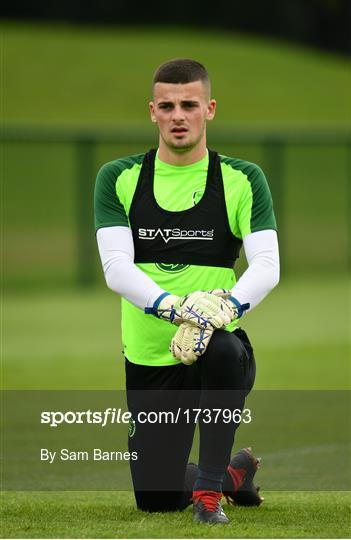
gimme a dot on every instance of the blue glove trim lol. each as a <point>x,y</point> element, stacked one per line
<point>153,310</point>
<point>241,307</point>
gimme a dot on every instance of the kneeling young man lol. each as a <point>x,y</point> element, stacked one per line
<point>170,224</point>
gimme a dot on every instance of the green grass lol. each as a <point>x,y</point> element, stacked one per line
<point>55,338</point>
<point>64,74</point>
<point>69,339</point>
<point>113,515</point>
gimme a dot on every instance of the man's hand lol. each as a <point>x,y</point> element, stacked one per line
<point>190,342</point>
<point>200,309</point>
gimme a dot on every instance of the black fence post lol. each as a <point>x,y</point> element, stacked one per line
<point>86,247</point>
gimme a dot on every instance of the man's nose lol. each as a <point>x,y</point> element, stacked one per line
<point>178,113</point>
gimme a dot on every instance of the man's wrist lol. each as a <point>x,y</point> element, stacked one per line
<point>153,310</point>
<point>241,308</point>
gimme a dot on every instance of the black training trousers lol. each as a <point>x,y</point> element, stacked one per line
<point>219,380</point>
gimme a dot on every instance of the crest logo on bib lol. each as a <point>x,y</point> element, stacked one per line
<point>172,268</point>
<point>197,195</point>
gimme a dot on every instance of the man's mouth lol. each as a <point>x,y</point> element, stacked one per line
<point>179,130</point>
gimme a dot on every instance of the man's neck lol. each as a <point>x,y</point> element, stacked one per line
<point>180,159</point>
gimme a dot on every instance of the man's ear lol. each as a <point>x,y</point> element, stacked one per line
<point>152,111</point>
<point>211,109</point>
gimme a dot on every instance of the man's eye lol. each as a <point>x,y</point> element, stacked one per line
<point>165,106</point>
<point>190,105</point>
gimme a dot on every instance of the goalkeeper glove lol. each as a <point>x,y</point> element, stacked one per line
<point>199,308</point>
<point>190,342</point>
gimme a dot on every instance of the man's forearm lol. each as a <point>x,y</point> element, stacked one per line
<point>122,275</point>
<point>126,279</point>
<point>262,275</point>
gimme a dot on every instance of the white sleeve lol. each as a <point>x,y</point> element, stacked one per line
<point>116,250</point>
<point>262,274</point>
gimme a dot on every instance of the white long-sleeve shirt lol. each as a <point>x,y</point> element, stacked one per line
<point>116,250</point>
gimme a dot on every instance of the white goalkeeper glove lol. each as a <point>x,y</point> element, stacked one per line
<point>190,342</point>
<point>199,308</point>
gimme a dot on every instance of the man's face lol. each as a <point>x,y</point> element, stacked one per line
<point>181,112</point>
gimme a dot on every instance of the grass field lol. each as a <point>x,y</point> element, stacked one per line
<point>113,515</point>
<point>71,340</point>
<point>57,337</point>
<point>103,76</point>
<point>57,75</point>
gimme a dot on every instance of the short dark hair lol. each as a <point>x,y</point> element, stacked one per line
<point>182,71</point>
